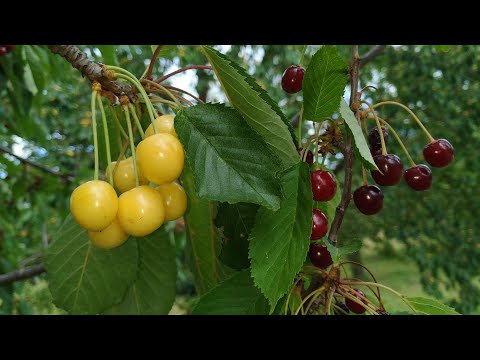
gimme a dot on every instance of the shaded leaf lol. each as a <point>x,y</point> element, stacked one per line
<point>426,306</point>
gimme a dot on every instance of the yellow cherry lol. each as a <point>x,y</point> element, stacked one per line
<point>174,199</point>
<point>109,238</point>
<point>164,125</point>
<point>141,211</point>
<point>124,175</point>
<point>94,205</point>
<point>160,158</point>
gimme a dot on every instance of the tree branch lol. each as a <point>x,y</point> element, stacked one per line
<point>153,60</point>
<point>90,69</point>
<point>44,168</point>
<point>371,54</point>
<point>21,274</point>
<point>348,154</point>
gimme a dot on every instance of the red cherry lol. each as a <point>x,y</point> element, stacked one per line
<point>374,138</point>
<point>309,158</point>
<point>418,177</point>
<point>391,168</point>
<point>320,256</point>
<point>324,185</point>
<point>439,153</point>
<point>319,225</point>
<point>292,79</point>
<point>368,199</point>
<point>355,307</point>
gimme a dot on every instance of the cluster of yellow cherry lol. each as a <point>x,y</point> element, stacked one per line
<point>140,209</point>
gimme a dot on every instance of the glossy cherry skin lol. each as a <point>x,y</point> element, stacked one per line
<point>94,205</point>
<point>439,153</point>
<point>5,49</point>
<point>309,158</point>
<point>418,177</point>
<point>320,256</point>
<point>124,175</point>
<point>375,152</point>
<point>324,185</point>
<point>174,199</point>
<point>292,79</point>
<point>164,124</point>
<point>319,225</point>
<point>374,138</point>
<point>353,306</point>
<point>109,238</point>
<point>368,199</point>
<point>391,167</point>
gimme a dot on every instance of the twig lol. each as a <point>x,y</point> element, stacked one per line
<point>371,54</point>
<point>185,92</point>
<point>44,168</point>
<point>92,70</point>
<point>348,154</point>
<point>202,67</point>
<point>21,274</point>
<point>148,74</point>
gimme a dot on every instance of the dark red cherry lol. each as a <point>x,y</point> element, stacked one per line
<point>4,49</point>
<point>374,138</point>
<point>418,177</point>
<point>320,256</point>
<point>391,168</point>
<point>368,199</point>
<point>353,306</point>
<point>292,79</point>
<point>324,185</point>
<point>439,153</point>
<point>342,306</point>
<point>309,158</point>
<point>375,152</point>
<point>319,225</point>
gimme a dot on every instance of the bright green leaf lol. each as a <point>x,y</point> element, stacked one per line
<point>257,108</point>
<point>236,221</point>
<point>324,83</point>
<point>165,51</point>
<point>230,161</point>
<point>84,279</point>
<point>360,145</point>
<point>348,246</point>
<point>280,239</point>
<point>443,48</point>
<point>235,296</point>
<point>426,306</point>
<point>108,54</point>
<point>154,290</point>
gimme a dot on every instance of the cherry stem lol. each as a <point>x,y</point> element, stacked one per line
<point>156,99</point>
<point>137,121</point>
<point>132,144</point>
<point>367,307</point>
<point>328,302</point>
<point>382,140</point>
<point>300,121</point>
<point>430,137</point>
<point>165,90</point>
<point>120,127</point>
<point>384,287</point>
<point>399,141</point>
<point>364,173</point>
<point>95,137</point>
<point>340,309</point>
<point>184,92</point>
<point>368,270</point>
<point>201,67</point>
<point>289,294</point>
<point>148,73</point>
<point>313,293</point>
<point>304,50</point>
<point>317,138</point>
<point>107,138</point>
<point>372,306</point>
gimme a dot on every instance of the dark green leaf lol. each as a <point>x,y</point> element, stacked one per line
<point>84,279</point>
<point>360,144</point>
<point>236,221</point>
<point>425,306</point>
<point>254,104</point>
<point>108,54</point>
<point>229,160</point>
<point>324,83</point>
<point>348,246</point>
<point>154,290</point>
<point>235,296</point>
<point>202,244</point>
<point>280,239</point>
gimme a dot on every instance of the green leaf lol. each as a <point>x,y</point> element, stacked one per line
<point>329,207</point>
<point>84,279</point>
<point>426,306</point>
<point>154,290</point>
<point>256,107</point>
<point>230,161</point>
<point>202,245</point>
<point>360,144</point>
<point>165,51</point>
<point>108,54</point>
<point>351,246</point>
<point>236,221</point>
<point>280,239</point>
<point>443,48</point>
<point>235,296</point>
<point>324,83</point>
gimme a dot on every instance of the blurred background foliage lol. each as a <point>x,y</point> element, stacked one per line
<point>421,243</point>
